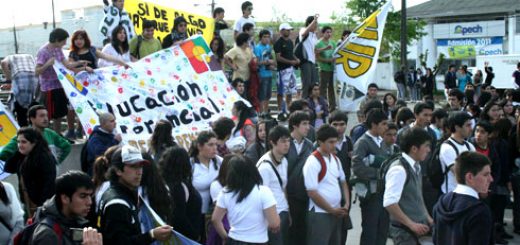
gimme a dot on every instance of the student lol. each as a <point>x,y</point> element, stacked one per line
<point>339,120</point>
<point>247,10</point>
<point>460,217</point>
<point>438,120</point>
<point>68,209</point>
<point>325,212</point>
<point>119,203</point>
<point>423,115</point>
<point>370,96</point>
<point>273,169</point>
<point>460,127</point>
<point>368,155</point>
<point>250,207</point>
<point>266,64</point>
<point>145,44</point>
<point>220,23</point>
<point>299,151</point>
<point>178,33</point>
<point>390,139</point>
<point>455,100</point>
<point>403,197</point>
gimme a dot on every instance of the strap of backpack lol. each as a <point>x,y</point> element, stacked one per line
<point>275,171</point>
<point>137,52</point>
<point>449,142</point>
<point>323,170</point>
<point>55,227</point>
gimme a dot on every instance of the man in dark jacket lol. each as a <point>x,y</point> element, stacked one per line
<point>119,204</point>
<point>101,138</point>
<point>450,80</point>
<point>460,217</point>
<point>62,218</point>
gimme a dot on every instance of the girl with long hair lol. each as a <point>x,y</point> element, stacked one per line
<point>205,164</point>
<point>176,171</point>
<point>161,139</point>
<point>390,105</point>
<point>491,112</point>
<point>81,49</point>
<point>318,105</point>
<point>35,166</point>
<point>250,206</point>
<point>118,48</point>
<point>217,59</point>
<point>259,148</point>
<point>216,187</point>
<point>155,192</point>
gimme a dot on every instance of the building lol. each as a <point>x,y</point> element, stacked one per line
<point>464,29</point>
<point>31,37</point>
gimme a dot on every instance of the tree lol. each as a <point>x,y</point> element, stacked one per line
<point>390,45</point>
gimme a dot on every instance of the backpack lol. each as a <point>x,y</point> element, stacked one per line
<point>385,166</point>
<point>299,184</point>
<point>434,170</point>
<point>85,165</point>
<point>136,52</point>
<point>24,237</point>
<point>299,50</point>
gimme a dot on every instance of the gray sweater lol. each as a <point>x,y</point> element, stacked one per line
<point>361,166</point>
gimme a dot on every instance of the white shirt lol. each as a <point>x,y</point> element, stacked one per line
<point>202,178</point>
<point>309,45</point>
<point>298,146</point>
<point>447,156</point>
<point>110,50</point>
<point>270,179</point>
<point>214,189</point>
<point>340,143</point>
<point>378,140</point>
<point>466,190</point>
<point>328,188</point>
<point>246,218</point>
<point>241,21</point>
<point>395,180</point>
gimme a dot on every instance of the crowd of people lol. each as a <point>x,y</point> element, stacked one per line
<point>440,171</point>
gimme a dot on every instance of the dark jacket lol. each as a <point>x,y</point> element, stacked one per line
<point>98,143</point>
<point>255,151</point>
<point>324,108</point>
<point>295,164</point>
<point>187,213</point>
<point>489,76</point>
<point>120,221</point>
<point>461,219</point>
<point>450,80</point>
<point>44,234</point>
<point>38,175</point>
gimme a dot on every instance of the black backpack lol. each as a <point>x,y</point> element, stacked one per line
<point>85,165</point>
<point>434,170</point>
<point>24,237</point>
<point>385,166</point>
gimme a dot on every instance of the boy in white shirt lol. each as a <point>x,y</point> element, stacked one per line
<point>273,169</point>
<point>325,183</point>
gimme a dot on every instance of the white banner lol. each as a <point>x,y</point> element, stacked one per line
<point>177,84</point>
<point>356,59</point>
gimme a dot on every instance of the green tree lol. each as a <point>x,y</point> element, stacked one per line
<point>390,46</point>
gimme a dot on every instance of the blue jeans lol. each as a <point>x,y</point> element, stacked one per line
<point>401,91</point>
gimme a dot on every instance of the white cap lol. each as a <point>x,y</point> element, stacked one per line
<point>131,155</point>
<point>285,26</point>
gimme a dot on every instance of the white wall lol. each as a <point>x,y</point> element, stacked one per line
<point>32,37</point>
<point>384,77</point>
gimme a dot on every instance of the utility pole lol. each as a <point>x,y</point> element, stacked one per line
<point>212,7</point>
<point>15,39</point>
<point>403,35</point>
<point>53,16</point>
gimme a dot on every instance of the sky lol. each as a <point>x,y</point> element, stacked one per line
<point>24,12</point>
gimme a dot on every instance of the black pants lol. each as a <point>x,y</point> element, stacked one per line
<point>297,230</point>
<point>20,114</point>
<point>375,221</point>
<point>515,182</point>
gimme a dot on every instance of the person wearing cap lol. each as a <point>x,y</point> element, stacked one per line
<point>119,206</point>
<point>285,59</point>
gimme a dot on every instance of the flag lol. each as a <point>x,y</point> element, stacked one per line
<point>149,220</point>
<point>356,59</point>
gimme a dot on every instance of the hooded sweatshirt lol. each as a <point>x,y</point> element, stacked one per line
<point>44,234</point>
<point>461,219</point>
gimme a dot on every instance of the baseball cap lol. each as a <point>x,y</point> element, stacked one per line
<point>128,155</point>
<point>285,26</point>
